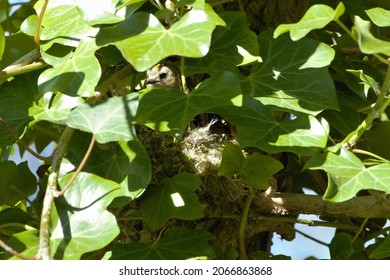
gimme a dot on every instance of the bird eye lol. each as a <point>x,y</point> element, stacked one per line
<point>162,76</point>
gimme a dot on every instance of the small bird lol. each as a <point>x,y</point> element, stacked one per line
<point>163,75</point>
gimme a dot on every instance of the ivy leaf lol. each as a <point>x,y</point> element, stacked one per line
<point>316,17</point>
<point>254,170</point>
<point>235,41</point>
<point>16,97</point>
<point>170,111</point>
<point>383,250</point>
<point>54,108</point>
<point>104,13</point>
<point>285,80</point>
<point>347,175</point>
<point>144,41</point>
<point>341,246</point>
<point>367,42</point>
<point>108,121</point>
<point>256,127</point>
<point>177,244</point>
<point>379,16</point>
<point>81,215</point>
<point>77,76</point>
<point>378,138</point>
<point>14,187</point>
<point>173,198</point>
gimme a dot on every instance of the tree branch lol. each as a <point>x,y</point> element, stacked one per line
<point>293,203</point>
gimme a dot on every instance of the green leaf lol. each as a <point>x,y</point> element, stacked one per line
<point>316,17</point>
<point>379,16</point>
<point>16,97</point>
<point>235,41</point>
<point>284,79</point>
<point>26,243</point>
<point>383,250</point>
<point>14,187</point>
<point>2,43</point>
<point>378,138</point>
<point>80,215</point>
<point>341,246</point>
<point>54,108</point>
<point>108,121</point>
<point>256,127</point>
<point>168,110</point>
<point>347,175</point>
<point>255,170</point>
<point>173,198</point>
<point>77,76</point>
<point>367,81</point>
<point>367,42</point>
<point>177,244</point>
<point>144,41</point>
<point>104,13</point>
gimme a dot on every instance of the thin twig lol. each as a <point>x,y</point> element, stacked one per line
<point>15,253</point>
<point>76,173</point>
<point>20,142</point>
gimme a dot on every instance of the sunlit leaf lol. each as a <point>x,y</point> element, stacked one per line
<point>367,42</point>
<point>80,215</point>
<point>108,121</point>
<point>379,16</point>
<point>347,175</point>
<point>144,41</point>
<point>316,17</point>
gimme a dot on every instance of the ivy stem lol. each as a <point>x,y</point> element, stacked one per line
<point>380,105</point>
<point>363,152</point>
<point>21,143</point>
<point>13,252</point>
<point>77,172</point>
<point>44,232</point>
<point>360,229</point>
<point>39,22</point>
<point>243,226</point>
<point>182,75</point>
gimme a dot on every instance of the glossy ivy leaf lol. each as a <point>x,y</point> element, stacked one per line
<point>316,17</point>
<point>379,16</point>
<point>54,108</point>
<point>108,121</point>
<point>170,111</point>
<point>177,244</point>
<point>144,41</point>
<point>103,13</point>
<point>341,246</point>
<point>347,175</point>
<point>173,198</point>
<point>367,42</point>
<point>285,80</point>
<point>81,215</point>
<point>16,97</point>
<point>256,127</point>
<point>14,187</point>
<point>253,170</point>
<point>78,76</point>
<point>235,41</point>
<point>382,251</point>
<point>367,81</point>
